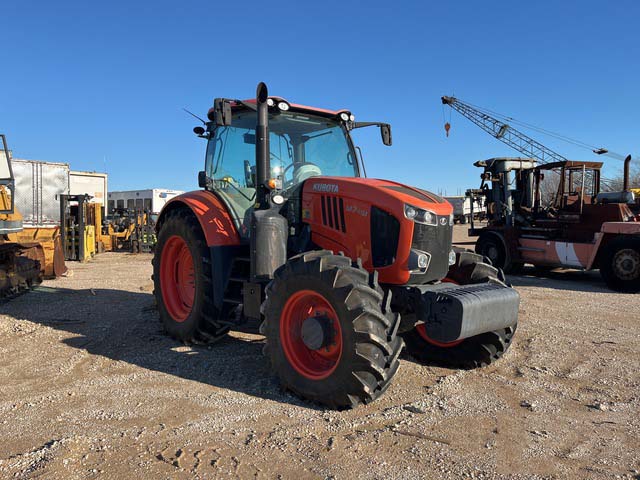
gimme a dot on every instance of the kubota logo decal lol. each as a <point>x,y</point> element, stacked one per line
<point>325,187</point>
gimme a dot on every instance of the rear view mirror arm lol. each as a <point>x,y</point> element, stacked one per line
<point>365,124</point>
<point>385,129</point>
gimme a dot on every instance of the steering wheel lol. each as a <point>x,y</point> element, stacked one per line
<point>290,166</point>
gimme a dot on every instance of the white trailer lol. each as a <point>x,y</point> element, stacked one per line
<point>90,183</point>
<point>462,208</point>
<point>38,189</point>
<point>151,200</point>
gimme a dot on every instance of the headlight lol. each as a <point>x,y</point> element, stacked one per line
<point>423,261</point>
<point>410,212</point>
<point>452,257</point>
<point>419,215</point>
<point>451,219</point>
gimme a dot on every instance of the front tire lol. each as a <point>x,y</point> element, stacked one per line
<point>620,264</point>
<point>491,247</point>
<point>182,281</point>
<point>330,335</point>
<point>478,351</point>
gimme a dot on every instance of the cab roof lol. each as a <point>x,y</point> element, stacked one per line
<point>572,165</point>
<point>296,107</point>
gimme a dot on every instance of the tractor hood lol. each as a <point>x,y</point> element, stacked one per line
<point>385,194</point>
<point>367,218</point>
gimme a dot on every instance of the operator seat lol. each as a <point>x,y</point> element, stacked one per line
<point>304,172</point>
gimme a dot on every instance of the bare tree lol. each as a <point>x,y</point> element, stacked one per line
<point>616,183</point>
<point>549,188</point>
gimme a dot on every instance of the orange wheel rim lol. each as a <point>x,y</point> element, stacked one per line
<point>177,278</point>
<point>312,364</point>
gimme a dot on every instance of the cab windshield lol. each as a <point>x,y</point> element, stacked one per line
<point>301,146</point>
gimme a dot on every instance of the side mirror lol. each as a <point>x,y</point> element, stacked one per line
<point>249,175</point>
<point>202,179</point>
<point>198,130</point>
<point>222,109</point>
<point>385,133</point>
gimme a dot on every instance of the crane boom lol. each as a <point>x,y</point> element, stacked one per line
<point>505,132</point>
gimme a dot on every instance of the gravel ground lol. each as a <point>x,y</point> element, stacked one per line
<point>92,388</point>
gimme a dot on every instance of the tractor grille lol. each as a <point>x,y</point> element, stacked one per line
<point>385,233</point>
<point>333,212</point>
<point>436,241</point>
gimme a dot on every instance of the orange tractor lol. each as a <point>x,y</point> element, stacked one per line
<point>337,271</point>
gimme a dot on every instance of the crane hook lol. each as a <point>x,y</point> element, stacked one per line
<point>447,127</point>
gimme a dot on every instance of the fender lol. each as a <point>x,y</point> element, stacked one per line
<point>608,231</point>
<point>217,225</point>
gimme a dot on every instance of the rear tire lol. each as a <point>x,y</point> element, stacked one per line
<point>182,281</point>
<point>473,352</point>
<point>359,354</point>
<point>620,264</point>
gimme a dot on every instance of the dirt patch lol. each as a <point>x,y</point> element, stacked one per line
<point>91,387</point>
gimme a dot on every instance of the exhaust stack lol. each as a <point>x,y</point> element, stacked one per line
<point>262,147</point>
<point>625,184</point>
<point>269,229</point>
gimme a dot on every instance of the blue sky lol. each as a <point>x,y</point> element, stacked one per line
<point>86,81</point>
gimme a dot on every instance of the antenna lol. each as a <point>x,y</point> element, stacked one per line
<point>194,115</point>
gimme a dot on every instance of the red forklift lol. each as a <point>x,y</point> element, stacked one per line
<point>550,211</point>
<point>577,226</point>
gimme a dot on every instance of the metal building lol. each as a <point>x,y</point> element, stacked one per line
<point>150,200</point>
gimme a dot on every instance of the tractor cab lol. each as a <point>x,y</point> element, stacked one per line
<point>303,143</point>
<point>568,203</point>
